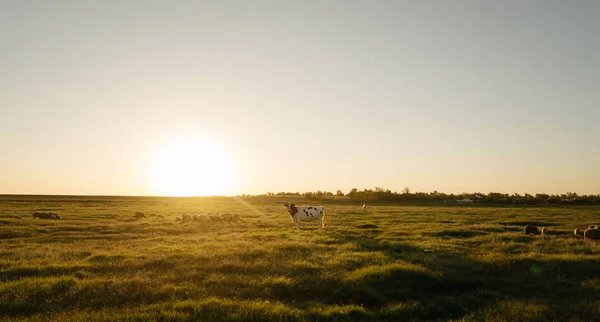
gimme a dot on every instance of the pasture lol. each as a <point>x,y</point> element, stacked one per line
<point>389,263</point>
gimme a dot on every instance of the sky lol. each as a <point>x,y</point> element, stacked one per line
<point>96,97</point>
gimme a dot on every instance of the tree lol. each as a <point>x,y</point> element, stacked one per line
<point>339,193</point>
<point>352,194</point>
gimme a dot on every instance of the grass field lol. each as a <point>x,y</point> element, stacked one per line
<point>390,263</point>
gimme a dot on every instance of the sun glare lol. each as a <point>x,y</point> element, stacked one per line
<point>192,167</point>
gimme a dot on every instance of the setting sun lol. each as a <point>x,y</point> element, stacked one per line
<point>191,167</point>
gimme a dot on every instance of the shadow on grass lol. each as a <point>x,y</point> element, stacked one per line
<point>464,285</point>
<point>522,223</point>
<point>412,283</point>
<point>457,233</point>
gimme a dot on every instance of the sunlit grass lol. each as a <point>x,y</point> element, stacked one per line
<point>392,263</point>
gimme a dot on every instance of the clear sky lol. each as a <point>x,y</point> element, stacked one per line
<point>96,97</point>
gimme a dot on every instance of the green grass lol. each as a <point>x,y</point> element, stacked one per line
<point>391,263</point>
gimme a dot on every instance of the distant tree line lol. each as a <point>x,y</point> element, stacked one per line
<point>405,196</point>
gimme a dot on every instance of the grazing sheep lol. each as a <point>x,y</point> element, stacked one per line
<point>177,219</point>
<point>214,217</point>
<point>186,217</point>
<point>46,215</point>
<point>230,217</point>
<point>139,215</point>
<point>544,231</point>
<point>203,218</point>
<point>576,231</point>
<point>233,217</point>
<point>591,234</point>
<point>531,229</point>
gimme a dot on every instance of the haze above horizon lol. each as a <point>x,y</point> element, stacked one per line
<point>183,98</point>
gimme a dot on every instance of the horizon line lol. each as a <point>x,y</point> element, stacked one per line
<point>273,194</point>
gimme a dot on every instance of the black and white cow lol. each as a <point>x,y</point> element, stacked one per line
<point>306,213</point>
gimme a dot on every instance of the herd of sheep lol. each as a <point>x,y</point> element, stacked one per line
<point>189,218</point>
<point>210,217</point>
<point>141,215</point>
<point>591,233</point>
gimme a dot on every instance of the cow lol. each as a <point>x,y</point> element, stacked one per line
<point>305,213</point>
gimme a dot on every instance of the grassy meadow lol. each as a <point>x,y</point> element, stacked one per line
<point>389,263</point>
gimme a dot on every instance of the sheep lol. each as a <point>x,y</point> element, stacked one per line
<point>202,218</point>
<point>139,215</point>
<point>591,234</point>
<point>186,218</point>
<point>576,231</point>
<point>177,219</point>
<point>593,227</point>
<point>46,215</point>
<point>195,218</point>
<point>306,213</point>
<point>544,231</point>
<point>230,217</point>
<point>531,229</point>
